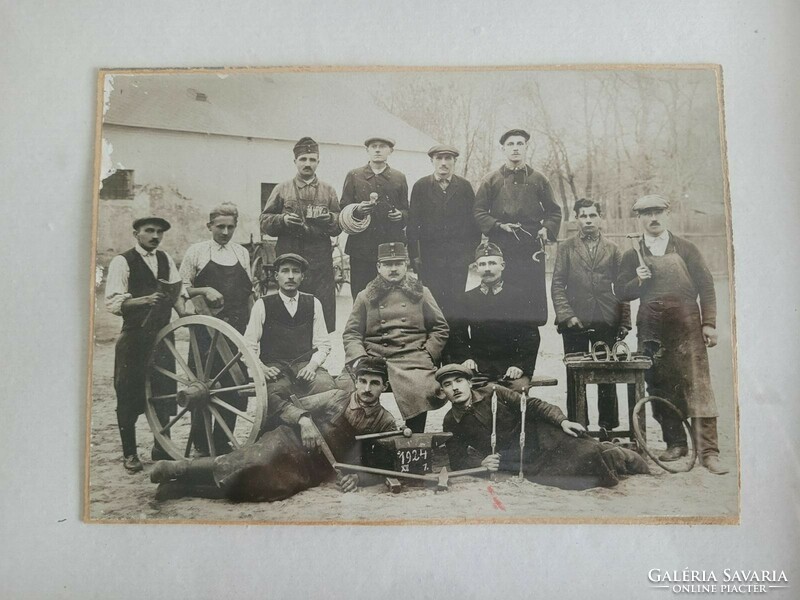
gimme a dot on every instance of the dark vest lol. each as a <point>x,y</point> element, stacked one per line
<point>286,338</point>
<point>141,282</point>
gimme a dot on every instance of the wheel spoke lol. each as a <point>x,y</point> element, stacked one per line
<point>188,445</point>
<point>211,351</point>
<point>209,436</point>
<point>170,374</point>
<point>195,346</point>
<point>235,411</point>
<point>164,397</point>
<point>224,426</point>
<point>235,388</point>
<point>179,359</point>
<point>173,420</point>
<point>226,368</point>
<point>227,354</point>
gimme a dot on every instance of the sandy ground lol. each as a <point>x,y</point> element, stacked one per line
<point>113,494</point>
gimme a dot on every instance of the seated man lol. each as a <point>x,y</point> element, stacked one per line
<point>287,459</point>
<point>287,332</point>
<point>493,333</point>
<point>395,317</point>
<point>557,451</point>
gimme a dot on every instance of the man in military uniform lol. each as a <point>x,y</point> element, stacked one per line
<point>557,451</point>
<point>586,308</point>
<point>287,332</point>
<point>395,317</point>
<point>374,210</point>
<point>673,330</point>
<point>515,208</point>
<point>494,332</point>
<point>442,233</point>
<point>303,213</point>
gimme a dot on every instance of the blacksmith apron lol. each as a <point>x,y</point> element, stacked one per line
<point>669,330</point>
<point>235,286</point>
<point>277,466</point>
<point>521,270</point>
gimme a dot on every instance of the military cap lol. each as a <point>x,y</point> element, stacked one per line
<point>650,201</point>
<point>392,251</point>
<point>305,145</point>
<point>157,220</point>
<point>511,132</point>
<point>453,369</point>
<point>373,364</point>
<point>377,138</point>
<point>291,257</point>
<point>487,249</point>
<point>442,149</point>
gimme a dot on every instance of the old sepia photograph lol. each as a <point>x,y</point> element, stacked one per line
<point>412,295</point>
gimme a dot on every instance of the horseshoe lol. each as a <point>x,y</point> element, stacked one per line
<point>620,346</point>
<point>537,255</point>
<point>601,345</point>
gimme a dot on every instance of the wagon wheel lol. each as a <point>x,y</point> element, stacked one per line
<point>637,431</point>
<point>197,382</point>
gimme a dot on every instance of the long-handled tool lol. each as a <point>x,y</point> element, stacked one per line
<point>635,241</point>
<point>523,407</point>
<point>385,434</point>
<point>493,438</point>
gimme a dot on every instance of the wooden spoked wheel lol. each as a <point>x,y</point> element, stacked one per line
<point>204,388</point>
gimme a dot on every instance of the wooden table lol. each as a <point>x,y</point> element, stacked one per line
<point>582,370</point>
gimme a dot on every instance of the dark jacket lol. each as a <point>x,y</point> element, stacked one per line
<point>392,189</point>
<point>500,334</point>
<point>441,223</point>
<point>583,287</point>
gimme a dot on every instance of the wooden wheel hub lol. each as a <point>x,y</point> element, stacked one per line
<point>196,394</point>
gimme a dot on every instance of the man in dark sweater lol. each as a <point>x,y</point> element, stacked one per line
<point>442,233</point>
<point>287,332</point>
<point>556,452</point>
<point>493,332</point>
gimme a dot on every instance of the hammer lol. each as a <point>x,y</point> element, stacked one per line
<point>635,239</point>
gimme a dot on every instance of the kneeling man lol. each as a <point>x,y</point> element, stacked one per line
<point>287,332</point>
<point>288,459</point>
<point>557,452</point>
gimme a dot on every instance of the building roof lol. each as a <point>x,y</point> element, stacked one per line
<point>279,106</point>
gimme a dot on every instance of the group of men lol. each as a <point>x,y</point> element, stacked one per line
<point>423,336</point>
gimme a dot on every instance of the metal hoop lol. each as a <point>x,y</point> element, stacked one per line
<point>640,440</point>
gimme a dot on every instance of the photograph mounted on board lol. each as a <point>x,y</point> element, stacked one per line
<point>398,295</point>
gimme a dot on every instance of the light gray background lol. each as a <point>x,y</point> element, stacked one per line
<point>49,56</point>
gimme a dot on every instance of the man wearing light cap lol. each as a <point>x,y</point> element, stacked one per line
<point>673,330</point>
<point>303,213</point>
<point>514,207</point>
<point>494,332</point>
<point>287,458</point>
<point>287,332</point>
<point>134,291</point>
<point>395,317</point>
<point>374,210</point>
<point>557,452</point>
<point>442,232</point>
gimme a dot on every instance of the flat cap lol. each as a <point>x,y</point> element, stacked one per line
<point>392,251</point>
<point>305,145</point>
<point>374,365</point>
<point>442,149</point>
<point>291,257</point>
<point>453,369</point>
<point>487,249</point>
<point>511,132</point>
<point>377,138</point>
<point>650,201</point>
<point>157,220</point>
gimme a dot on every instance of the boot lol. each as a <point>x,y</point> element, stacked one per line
<point>712,463</point>
<point>673,453</point>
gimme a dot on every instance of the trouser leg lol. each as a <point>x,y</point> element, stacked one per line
<point>417,424</point>
<point>127,434</point>
<point>705,435</point>
<point>607,405</point>
<point>671,425</point>
<point>361,273</point>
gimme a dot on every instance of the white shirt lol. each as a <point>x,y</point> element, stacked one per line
<point>657,245</point>
<point>199,255</point>
<point>119,273</point>
<point>319,338</point>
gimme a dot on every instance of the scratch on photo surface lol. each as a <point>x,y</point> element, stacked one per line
<point>498,504</point>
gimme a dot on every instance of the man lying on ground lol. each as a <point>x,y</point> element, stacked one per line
<point>288,459</point>
<point>557,451</point>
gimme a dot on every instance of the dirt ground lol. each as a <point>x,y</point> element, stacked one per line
<point>115,495</point>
